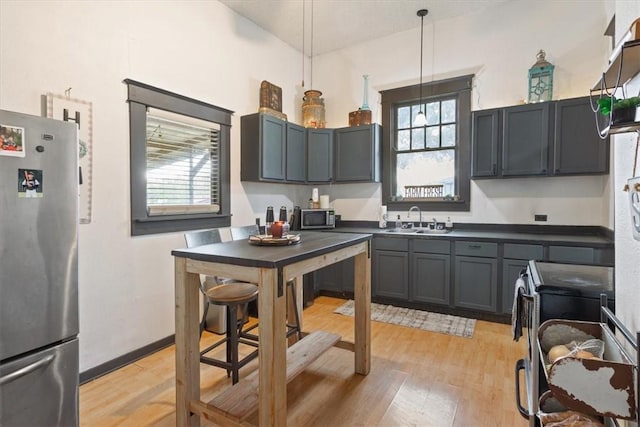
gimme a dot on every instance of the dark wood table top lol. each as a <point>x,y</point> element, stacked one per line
<point>241,252</point>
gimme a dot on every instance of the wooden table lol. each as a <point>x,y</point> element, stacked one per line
<point>269,268</point>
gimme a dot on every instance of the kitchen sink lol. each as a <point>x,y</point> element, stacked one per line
<point>431,231</point>
<point>422,230</point>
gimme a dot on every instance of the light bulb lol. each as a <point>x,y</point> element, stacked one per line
<point>420,120</point>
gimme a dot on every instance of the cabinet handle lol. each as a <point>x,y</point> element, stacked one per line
<point>495,168</point>
<point>475,246</point>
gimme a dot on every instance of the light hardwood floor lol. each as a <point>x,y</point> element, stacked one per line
<point>417,378</point>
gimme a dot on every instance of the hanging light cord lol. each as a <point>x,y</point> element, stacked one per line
<point>311,71</point>
<point>421,13</point>
<point>421,119</point>
<point>303,3</point>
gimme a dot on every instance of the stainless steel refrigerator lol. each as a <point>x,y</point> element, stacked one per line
<point>38,271</point>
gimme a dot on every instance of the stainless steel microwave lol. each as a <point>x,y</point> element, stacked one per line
<point>317,218</point>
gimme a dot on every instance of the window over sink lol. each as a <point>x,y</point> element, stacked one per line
<point>427,165</point>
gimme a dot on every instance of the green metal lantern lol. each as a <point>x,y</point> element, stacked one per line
<point>541,79</point>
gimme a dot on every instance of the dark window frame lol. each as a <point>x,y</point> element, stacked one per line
<point>459,88</point>
<point>140,97</point>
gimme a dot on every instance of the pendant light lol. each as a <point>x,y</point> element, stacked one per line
<point>421,119</point>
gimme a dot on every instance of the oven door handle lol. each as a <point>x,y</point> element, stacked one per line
<point>524,276</point>
<point>520,366</point>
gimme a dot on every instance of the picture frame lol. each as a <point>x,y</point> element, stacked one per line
<point>63,107</point>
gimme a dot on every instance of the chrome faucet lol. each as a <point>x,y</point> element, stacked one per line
<point>412,208</point>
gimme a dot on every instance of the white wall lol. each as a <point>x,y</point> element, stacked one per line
<point>197,49</point>
<point>203,50</point>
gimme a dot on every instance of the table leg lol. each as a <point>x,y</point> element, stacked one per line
<point>187,338</point>
<point>272,386</point>
<point>362,299</point>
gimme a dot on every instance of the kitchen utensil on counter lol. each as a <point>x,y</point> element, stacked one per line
<point>382,217</point>
<point>324,201</point>
<point>268,220</point>
<point>296,218</point>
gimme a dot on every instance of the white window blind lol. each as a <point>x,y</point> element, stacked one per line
<point>183,164</point>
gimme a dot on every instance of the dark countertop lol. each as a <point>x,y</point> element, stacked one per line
<point>550,237</point>
<point>240,252</point>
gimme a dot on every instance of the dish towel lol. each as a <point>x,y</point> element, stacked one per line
<point>517,311</point>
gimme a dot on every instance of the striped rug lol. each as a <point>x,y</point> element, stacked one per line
<point>425,320</point>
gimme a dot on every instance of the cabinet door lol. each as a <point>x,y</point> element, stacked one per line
<point>337,277</point>
<point>578,148</point>
<point>296,153</point>
<point>329,278</point>
<point>430,278</point>
<point>272,150</point>
<point>319,155</point>
<point>510,272</point>
<point>391,274</point>
<point>476,283</point>
<point>357,154</point>
<point>525,139</point>
<point>485,143</point>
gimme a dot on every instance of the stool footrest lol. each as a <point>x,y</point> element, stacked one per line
<point>239,401</point>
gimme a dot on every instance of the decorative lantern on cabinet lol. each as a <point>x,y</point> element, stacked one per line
<point>541,79</point>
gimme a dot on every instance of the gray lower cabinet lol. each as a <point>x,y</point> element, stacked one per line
<point>390,268</point>
<point>476,276</point>
<point>336,278</point>
<point>431,271</point>
<point>516,256</point>
<point>319,155</point>
<point>581,255</point>
<point>357,154</point>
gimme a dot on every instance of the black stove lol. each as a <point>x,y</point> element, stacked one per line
<point>571,291</point>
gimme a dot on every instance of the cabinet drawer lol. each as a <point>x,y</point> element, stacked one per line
<point>521,251</point>
<point>571,254</point>
<point>484,249</point>
<point>391,244</point>
<point>432,246</point>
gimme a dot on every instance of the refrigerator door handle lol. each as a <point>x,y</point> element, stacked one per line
<point>27,369</point>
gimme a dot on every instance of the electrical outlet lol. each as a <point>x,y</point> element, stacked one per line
<point>537,217</point>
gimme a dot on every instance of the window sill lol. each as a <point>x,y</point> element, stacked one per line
<point>430,205</point>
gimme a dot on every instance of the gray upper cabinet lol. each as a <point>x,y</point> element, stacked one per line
<point>525,139</point>
<point>296,153</point>
<point>544,139</point>
<point>319,155</point>
<point>274,150</point>
<point>486,139</point>
<point>357,154</point>
<point>578,148</point>
<point>262,144</point>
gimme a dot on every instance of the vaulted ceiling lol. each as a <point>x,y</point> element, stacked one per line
<point>341,23</point>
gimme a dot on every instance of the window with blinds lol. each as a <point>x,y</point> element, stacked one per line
<point>182,164</point>
<point>179,161</point>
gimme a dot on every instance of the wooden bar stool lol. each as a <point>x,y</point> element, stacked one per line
<point>235,298</point>
<point>293,325</point>
<point>232,296</point>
